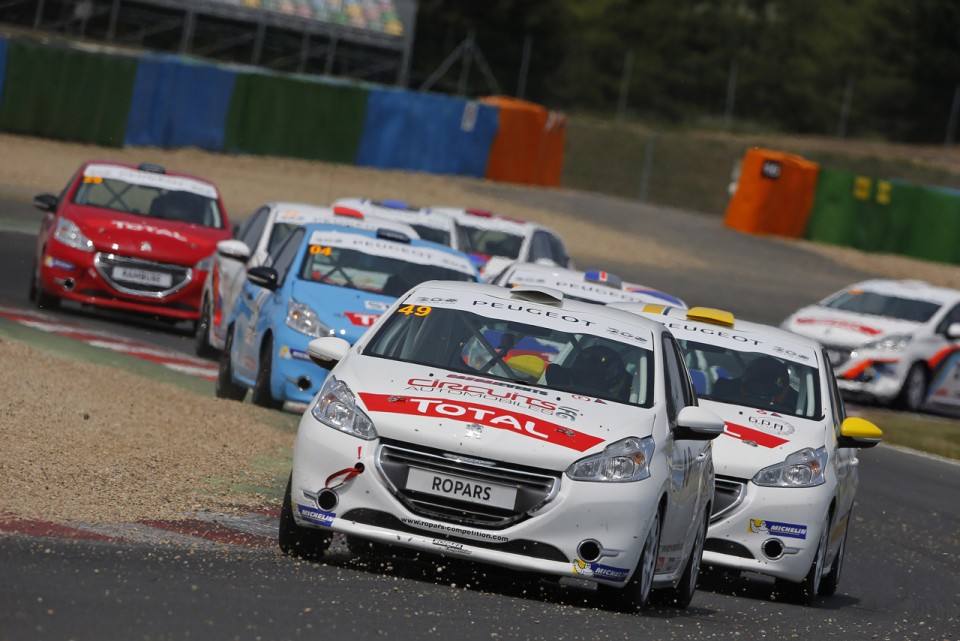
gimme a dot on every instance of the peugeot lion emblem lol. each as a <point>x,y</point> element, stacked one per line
<point>145,246</point>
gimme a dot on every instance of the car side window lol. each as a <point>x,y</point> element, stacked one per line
<point>953,316</point>
<point>839,411</point>
<point>559,251</point>
<point>282,259</point>
<point>540,246</point>
<point>679,391</point>
<point>251,230</point>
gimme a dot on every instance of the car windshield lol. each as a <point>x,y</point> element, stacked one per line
<point>279,234</point>
<point>149,201</point>
<point>462,341</point>
<point>753,379</point>
<point>491,242</point>
<point>355,269</point>
<point>433,234</point>
<point>877,304</point>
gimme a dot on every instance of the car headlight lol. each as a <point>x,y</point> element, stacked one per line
<point>303,319</point>
<point>892,343</point>
<point>621,462</point>
<point>800,469</point>
<point>336,407</point>
<point>70,235</point>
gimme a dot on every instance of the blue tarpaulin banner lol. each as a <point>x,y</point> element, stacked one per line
<point>179,103</point>
<point>426,132</point>
<point>3,65</point>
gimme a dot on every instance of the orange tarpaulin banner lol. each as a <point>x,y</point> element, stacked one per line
<point>528,147</point>
<point>774,194</point>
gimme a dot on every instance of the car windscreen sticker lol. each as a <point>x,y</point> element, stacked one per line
<point>150,179</point>
<point>740,341</point>
<point>542,315</point>
<point>593,291</point>
<point>484,415</point>
<point>400,251</point>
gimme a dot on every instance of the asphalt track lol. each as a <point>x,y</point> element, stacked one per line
<point>901,577</point>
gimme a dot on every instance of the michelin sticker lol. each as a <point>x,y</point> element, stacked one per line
<point>314,515</point>
<point>600,571</point>
<point>775,528</point>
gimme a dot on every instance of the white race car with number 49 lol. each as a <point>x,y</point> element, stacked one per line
<point>786,464</point>
<point>510,427</point>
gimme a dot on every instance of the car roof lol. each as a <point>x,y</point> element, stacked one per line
<point>488,220</point>
<point>712,319</point>
<point>591,281</point>
<point>304,213</point>
<point>545,297</point>
<point>400,210</point>
<point>906,288</point>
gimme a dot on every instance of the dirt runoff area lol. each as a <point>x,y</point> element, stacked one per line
<point>89,443</point>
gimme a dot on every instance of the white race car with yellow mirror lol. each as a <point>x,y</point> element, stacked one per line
<point>787,467</point>
<point>515,428</point>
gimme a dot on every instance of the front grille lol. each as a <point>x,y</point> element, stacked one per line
<point>721,546</point>
<point>159,279</point>
<point>534,487</point>
<point>838,355</point>
<point>533,549</point>
<point>727,494</point>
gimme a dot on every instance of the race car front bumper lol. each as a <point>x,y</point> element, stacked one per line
<point>769,530</point>
<point>550,538</point>
<point>879,380</point>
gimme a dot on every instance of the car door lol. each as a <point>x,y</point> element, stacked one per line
<point>258,306</point>
<point>687,460</point>
<point>231,273</point>
<point>843,460</point>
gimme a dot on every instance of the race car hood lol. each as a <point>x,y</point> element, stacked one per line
<point>844,329</point>
<point>163,241</point>
<point>754,439</point>
<point>486,418</point>
<point>347,312</point>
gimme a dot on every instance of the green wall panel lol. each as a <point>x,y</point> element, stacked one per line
<point>67,94</point>
<point>286,116</point>
<point>832,216</point>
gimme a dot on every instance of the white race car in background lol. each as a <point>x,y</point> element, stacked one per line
<point>259,235</point>
<point>434,225</point>
<point>890,341</point>
<point>787,470</point>
<point>593,286</point>
<point>495,241</point>
<point>438,432</point>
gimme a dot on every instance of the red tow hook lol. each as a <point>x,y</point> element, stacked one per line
<point>346,473</point>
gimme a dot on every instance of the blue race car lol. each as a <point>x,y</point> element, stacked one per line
<point>324,280</point>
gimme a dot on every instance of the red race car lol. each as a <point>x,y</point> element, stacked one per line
<point>131,238</point>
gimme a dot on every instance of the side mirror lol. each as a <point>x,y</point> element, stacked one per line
<point>46,202</point>
<point>953,331</point>
<point>695,423</point>
<point>235,249</point>
<point>265,277</point>
<point>859,432</point>
<point>327,351</point>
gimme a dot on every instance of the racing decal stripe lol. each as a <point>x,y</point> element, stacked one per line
<point>854,371</point>
<point>749,434</point>
<point>863,329</point>
<point>937,358</point>
<point>486,415</point>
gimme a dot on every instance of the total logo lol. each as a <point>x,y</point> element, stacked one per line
<point>363,319</point>
<point>150,229</point>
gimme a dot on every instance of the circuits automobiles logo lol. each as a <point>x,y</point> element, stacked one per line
<point>599,571</point>
<point>762,526</point>
<point>314,515</point>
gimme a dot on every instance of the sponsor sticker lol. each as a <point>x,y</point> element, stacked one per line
<point>451,546</point>
<point>455,530</point>
<point>313,515</point>
<point>287,352</point>
<point>363,319</point>
<point>771,423</point>
<point>56,263</point>
<point>600,571</point>
<point>776,528</point>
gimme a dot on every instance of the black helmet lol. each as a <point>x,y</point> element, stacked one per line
<point>765,377</point>
<point>601,368</point>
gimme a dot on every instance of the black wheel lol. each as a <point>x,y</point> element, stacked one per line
<point>635,595</point>
<point>226,388</point>
<point>804,591</point>
<point>304,543</point>
<point>914,390</point>
<point>830,579</point>
<point>201,344</point>
<point>37,295</point>
<point>682,595</point>
<point>261,388</point>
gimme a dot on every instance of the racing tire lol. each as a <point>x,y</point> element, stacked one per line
<point>914,391</point>
<point>261,387</point>
<point>681,595</point>
<point>38,297</point>
<point>635,595</point>
<point>300,542</point>
<point>831,579</point>
<point>202,346</point>
<point>226,388</point>
<point>805,591</point>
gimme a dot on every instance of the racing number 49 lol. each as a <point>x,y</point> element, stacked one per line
<point>418,310</point>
